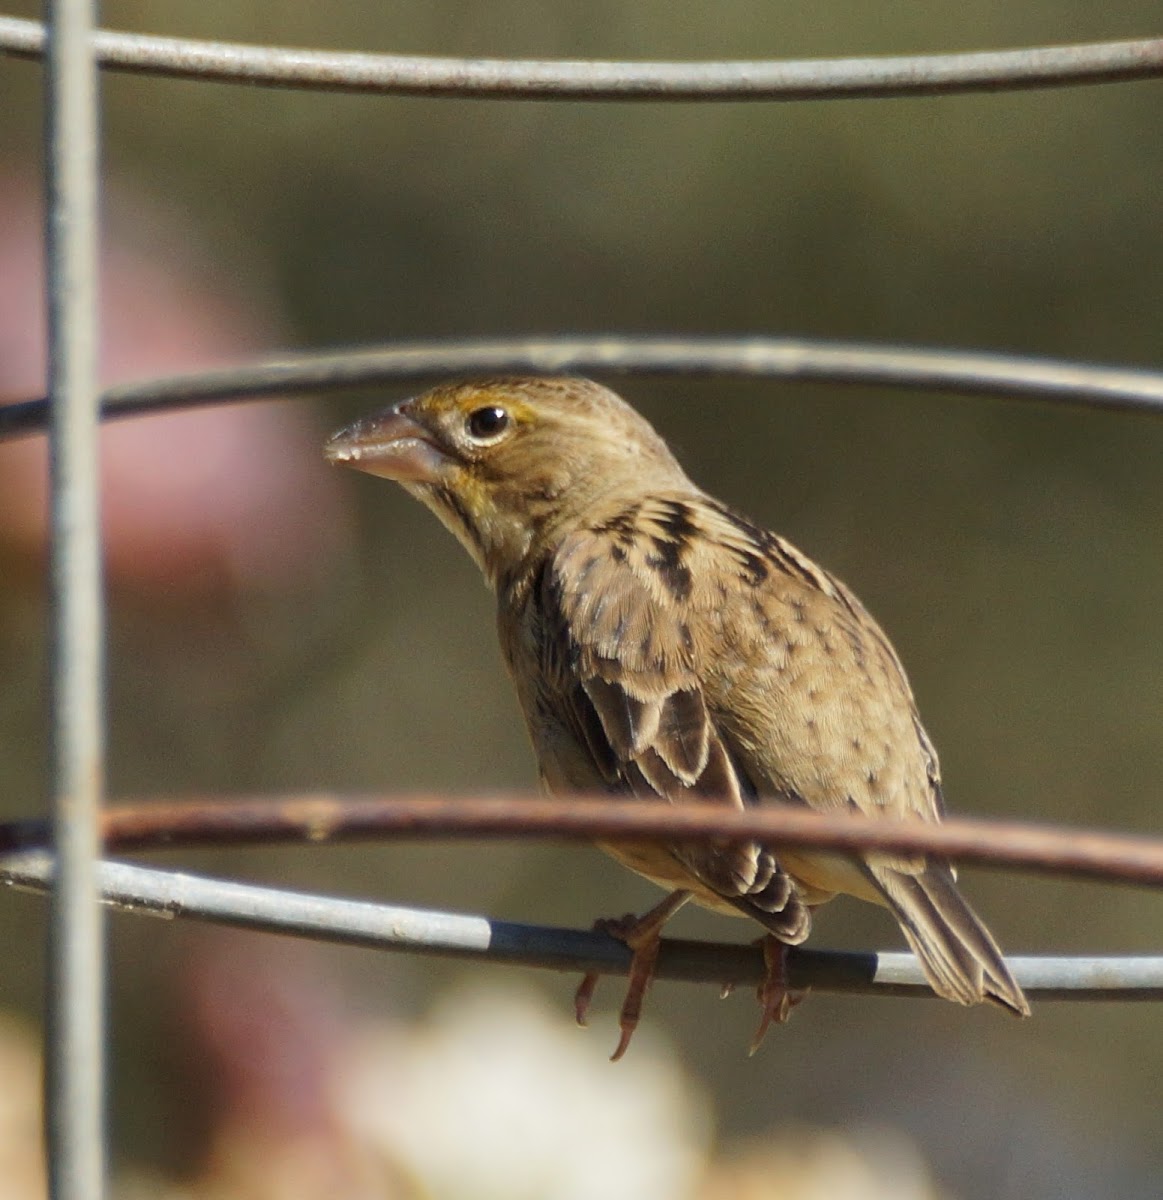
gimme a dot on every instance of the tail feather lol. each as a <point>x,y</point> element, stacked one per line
<point>960,958</point>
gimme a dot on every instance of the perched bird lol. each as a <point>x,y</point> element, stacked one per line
<point>663,646</point>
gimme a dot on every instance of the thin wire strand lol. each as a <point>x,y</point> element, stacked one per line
<point>148,891</point>
<point>517,79</point>
<point>74,1107</point>
<point>799,360</point>
<point>320,819</point>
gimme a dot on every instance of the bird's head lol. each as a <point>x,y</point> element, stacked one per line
<point>508,464</point>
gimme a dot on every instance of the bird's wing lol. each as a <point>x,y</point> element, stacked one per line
<point>806,687</point>
<point>627,605</point>
<point>834,723</point>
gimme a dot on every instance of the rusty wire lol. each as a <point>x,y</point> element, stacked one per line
<point>317,819</point>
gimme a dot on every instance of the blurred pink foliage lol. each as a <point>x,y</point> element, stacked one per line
<point>193,502</point>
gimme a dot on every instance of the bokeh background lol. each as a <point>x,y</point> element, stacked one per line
<point>275,625</point>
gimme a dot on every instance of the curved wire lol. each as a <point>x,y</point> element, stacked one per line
<point>320,819</point>
<point>803,360</point>
<point>517,79</point>
<point>152,892</point>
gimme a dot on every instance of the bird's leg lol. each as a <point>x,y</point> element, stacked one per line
<point>776,999</point>
<point>642,935</point>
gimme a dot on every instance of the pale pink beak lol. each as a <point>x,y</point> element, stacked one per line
<point>391,445</point>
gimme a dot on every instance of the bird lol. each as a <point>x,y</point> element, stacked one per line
<point>665,647</point>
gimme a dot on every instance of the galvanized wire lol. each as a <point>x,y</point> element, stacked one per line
<point>74,1106</point>
<point>799,360</point>
<point>148,891</point>
<point>525,79</point>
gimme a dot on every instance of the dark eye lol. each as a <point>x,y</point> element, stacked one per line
<point>488,422</point>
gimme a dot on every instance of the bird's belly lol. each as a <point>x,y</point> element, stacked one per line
<point>656,863</point>
<point>819,877</point>
<point>822,876</point>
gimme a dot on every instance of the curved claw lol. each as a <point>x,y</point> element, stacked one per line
<point>642,935</point>
<point>583,996</point>
<point>641,973</point>
<point>776,999</point>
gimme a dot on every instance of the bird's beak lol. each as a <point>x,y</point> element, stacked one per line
<point>390,444</point>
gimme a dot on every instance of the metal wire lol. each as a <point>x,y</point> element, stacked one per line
<point>148,891</point>
<point>790,359</point>
<point>523,79</point>
<point>318,819</point>
<point>75,1015</point>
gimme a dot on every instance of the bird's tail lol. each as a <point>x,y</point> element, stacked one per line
<point>960,958</point>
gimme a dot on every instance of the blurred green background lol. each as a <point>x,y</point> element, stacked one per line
<point>1011,550</point>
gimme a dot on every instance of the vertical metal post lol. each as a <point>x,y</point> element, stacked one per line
<point>75,1019</point>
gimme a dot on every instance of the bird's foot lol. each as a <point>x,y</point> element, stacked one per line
<point>643,936</point>
<point>776,999</point>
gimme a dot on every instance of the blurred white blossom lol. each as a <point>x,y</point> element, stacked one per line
<point>499,1097</point>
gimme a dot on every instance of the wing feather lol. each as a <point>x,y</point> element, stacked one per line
<point>630,630</point>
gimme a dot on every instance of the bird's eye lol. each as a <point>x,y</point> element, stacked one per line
<point>486,423</point>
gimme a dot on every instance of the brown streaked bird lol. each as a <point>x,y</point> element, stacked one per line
<point>663,646</point>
